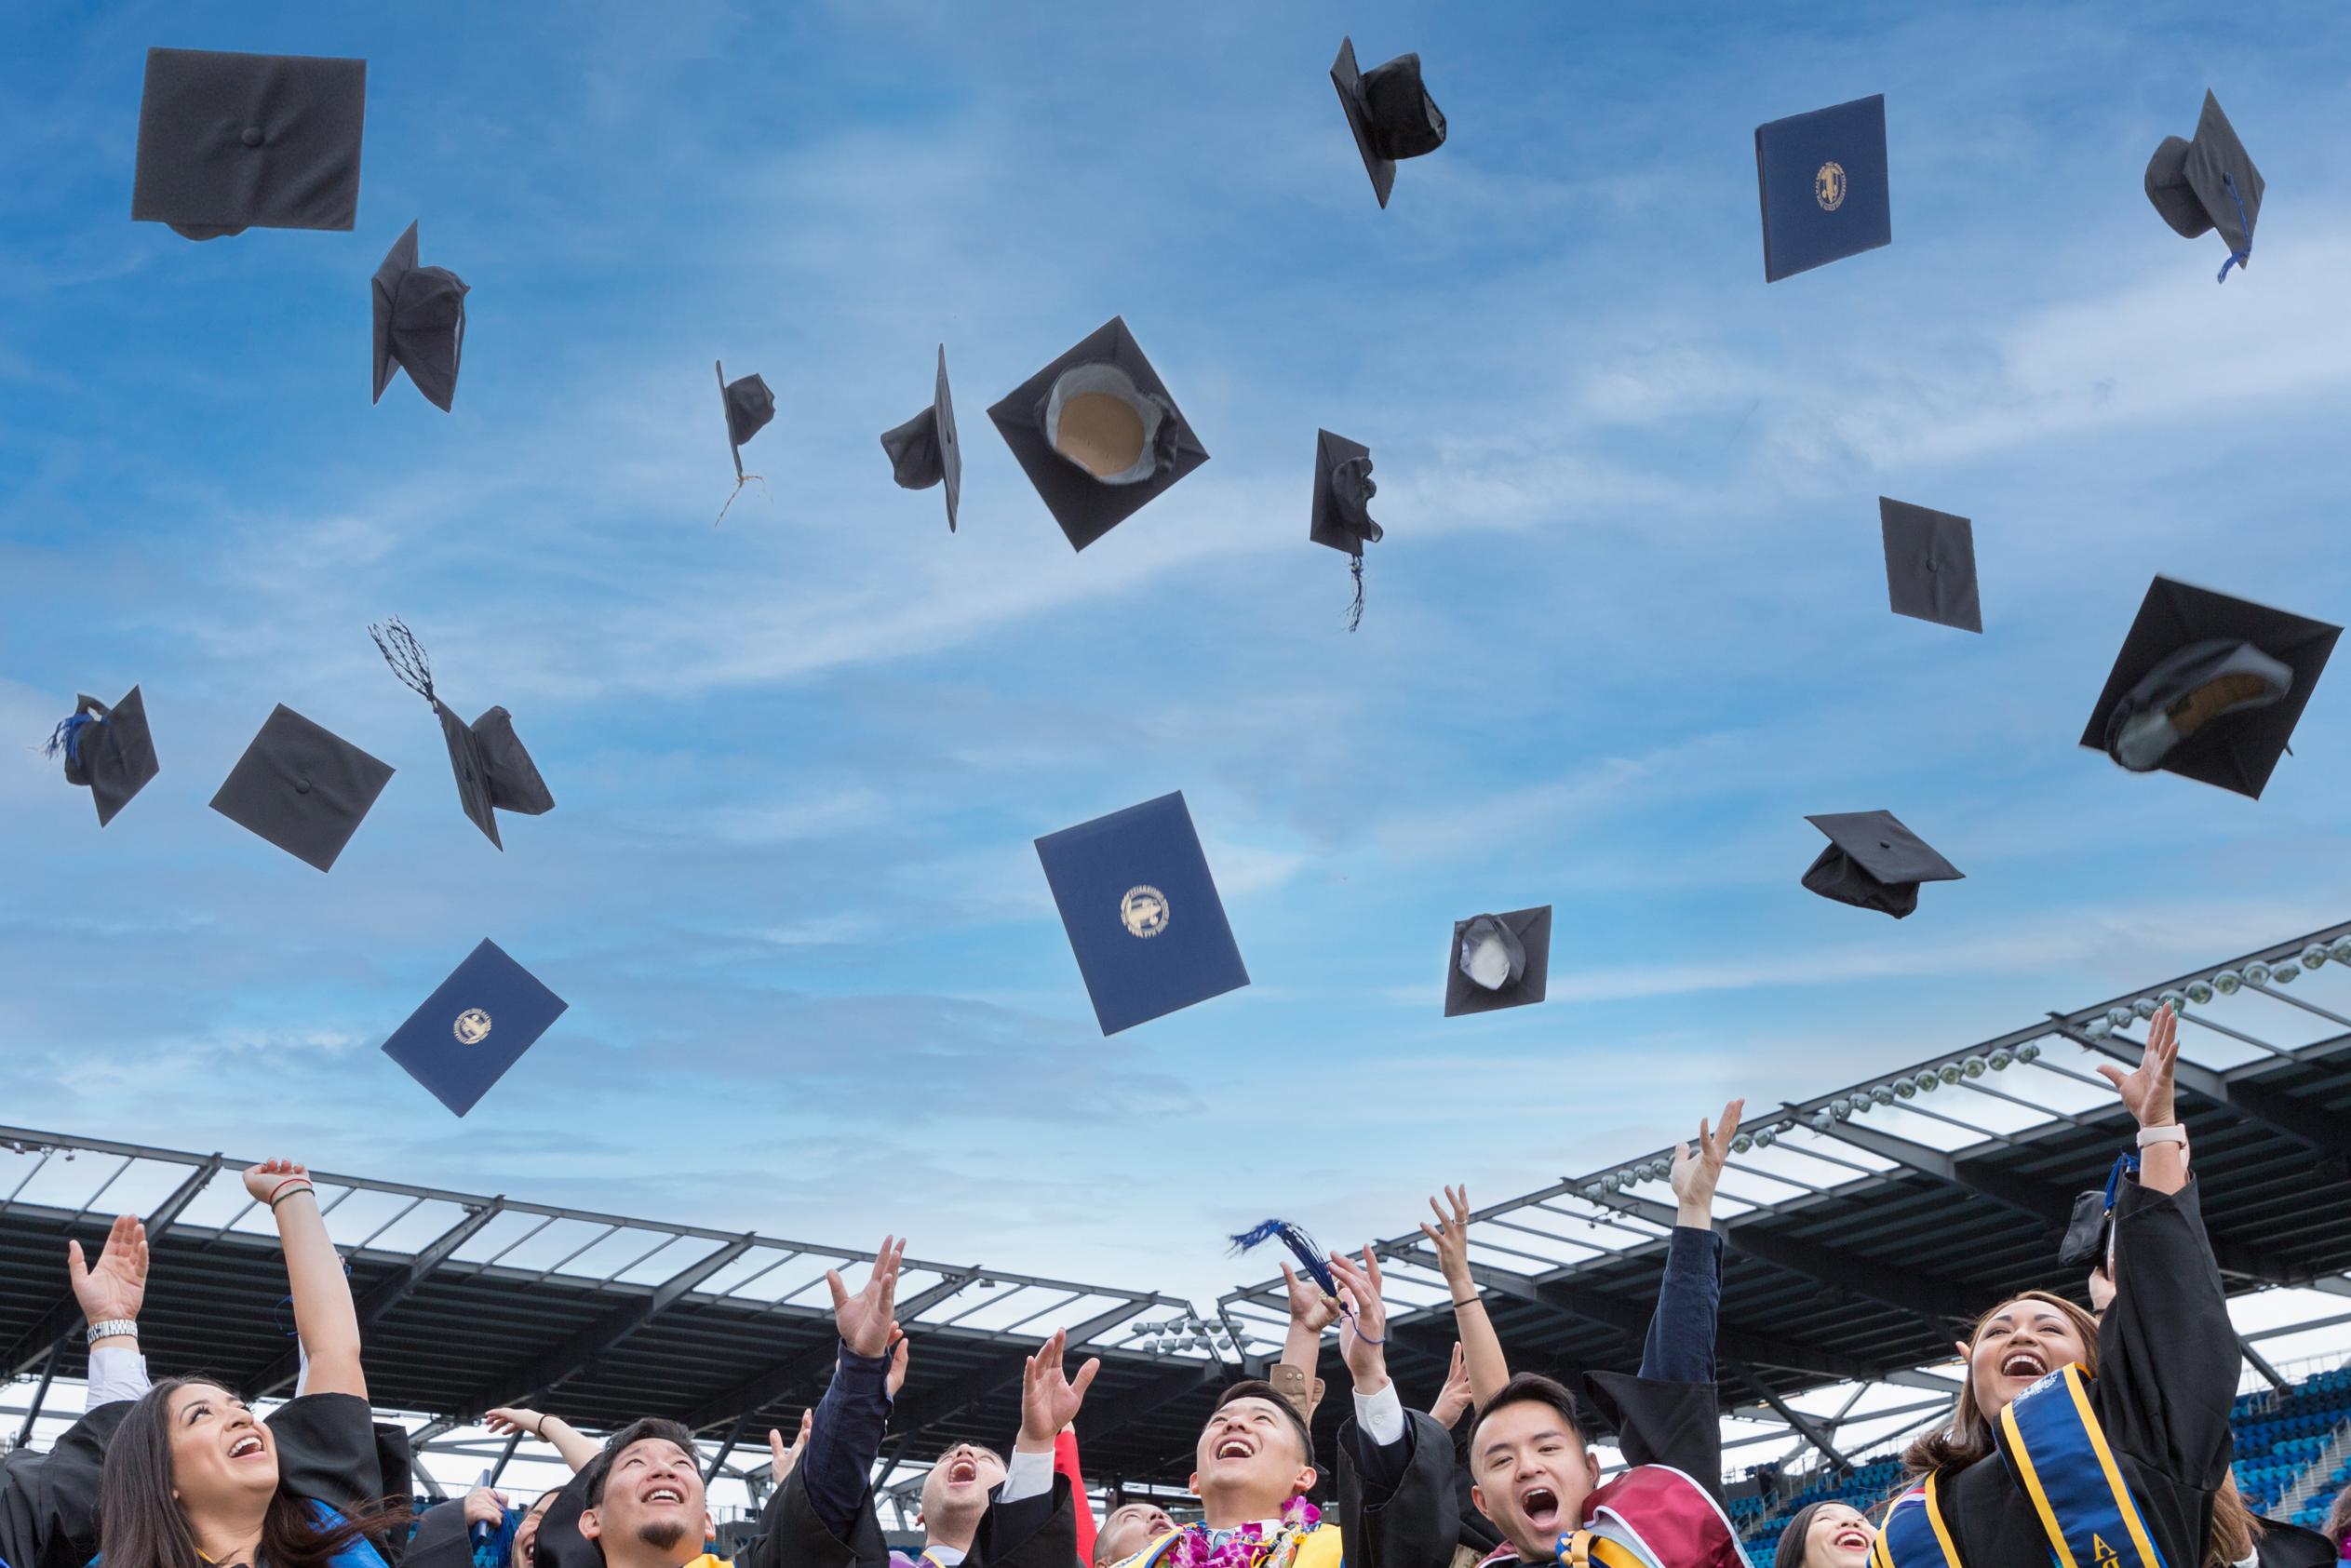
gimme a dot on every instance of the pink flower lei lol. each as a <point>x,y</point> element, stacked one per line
<point>1248,1547</point>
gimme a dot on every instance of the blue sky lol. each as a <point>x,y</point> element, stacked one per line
<point>1628,626</point>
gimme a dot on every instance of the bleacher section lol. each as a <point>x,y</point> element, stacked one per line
<point>2280,1435</point>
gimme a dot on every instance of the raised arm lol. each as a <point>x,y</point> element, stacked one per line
<point>325,1320</point>
<point>553,1431</point>
<point>109,1293</point>
<point>1310,1313</point>
<point>1680,1347</point>
<point>1481,1349</point>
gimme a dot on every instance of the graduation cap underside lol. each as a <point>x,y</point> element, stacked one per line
<point>923,451</point>
<point>1141,912</point>
<point>420,323</point>
<point>228,141</point>
<point>1480,944</point>
<point>1390,112</point>
<point>2208,665</point>
<point>2209,183</point>
<point>1103,404</point>
<point>108,751</point>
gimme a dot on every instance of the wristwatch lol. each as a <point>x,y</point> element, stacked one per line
<point>110,1328</point>
<point>2163,1132</point>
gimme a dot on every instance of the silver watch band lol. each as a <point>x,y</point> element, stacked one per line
<point>110,1328</point>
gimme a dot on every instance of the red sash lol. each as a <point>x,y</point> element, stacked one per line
<point>1653,1516</point>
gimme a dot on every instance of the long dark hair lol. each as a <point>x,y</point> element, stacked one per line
<point>140,1525</point>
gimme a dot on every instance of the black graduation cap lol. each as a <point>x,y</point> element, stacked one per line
<point>420,323</point>
<point>1343,490</point>
<point>1873,862</point>
<point>1389,111</point>
<point>923,451</point>
<point>1930,565</point>
<point>748,405</point>
<point>108,751</point>
<point>2209,183</point>
<point>228,141</point>
<point>492,768</point>
<point>2208,687</point>
<point>303,788</point>
<point>1497,961</point>
<point>1097,433</point>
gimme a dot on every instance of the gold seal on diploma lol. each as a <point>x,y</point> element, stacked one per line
<point>1829,186</point>
<point>472,1026</point>
<point>1143,911</point>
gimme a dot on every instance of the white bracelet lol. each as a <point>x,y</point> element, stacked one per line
<point>2164,1132</point>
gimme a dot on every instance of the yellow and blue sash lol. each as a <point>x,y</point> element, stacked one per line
<point>2058,1453</point>
<point>1914,1534</point>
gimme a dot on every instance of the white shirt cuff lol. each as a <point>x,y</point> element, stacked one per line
<point>1380,1416</point>
<point>1025,1475</point>
<point>115,1374</point>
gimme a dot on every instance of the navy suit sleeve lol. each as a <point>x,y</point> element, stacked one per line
<point>1680,1348</point>
<point>845,1439</point>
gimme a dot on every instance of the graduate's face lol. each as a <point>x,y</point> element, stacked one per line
<point>653,1496</point>
<point>1837,1537</point>
<point>1130,1529</point>
<point>1530,1474</point>
<point>526,1550</point>
<point>1250,1450</point>
<point>959,1482</point>
<point>220,1454</point>
<point>2020,1343</point>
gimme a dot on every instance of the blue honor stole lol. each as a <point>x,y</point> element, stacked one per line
<point>2056,1452</point>
<point>1914,1534</point>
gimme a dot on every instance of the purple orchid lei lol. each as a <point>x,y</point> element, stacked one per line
<point>1248,1547</point>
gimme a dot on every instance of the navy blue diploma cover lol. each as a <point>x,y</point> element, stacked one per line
<point>1142,912</point>
<point>1823,178</point>
<point>477,1025</point>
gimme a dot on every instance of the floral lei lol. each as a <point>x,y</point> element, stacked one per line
<point>1248,1547</point>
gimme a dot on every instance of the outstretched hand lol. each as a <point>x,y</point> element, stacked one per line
<point>897,1375</point>
<point>1050,1398</point>
<point>118,1286</point>
<point>1450,1237</point>
<point>1309,1309</point>
<point>263,1180</point>
<point>865,1320</point>
<point>1696,1172</point>
<point>508,1419</point>
<point>1363,1337</point>
<point>2146,1089</point>
<point>1453,1398</point>
<point>784,1456</point>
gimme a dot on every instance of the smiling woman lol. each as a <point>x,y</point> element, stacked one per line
<point>194,1478</point>
<point>1825,1535</point>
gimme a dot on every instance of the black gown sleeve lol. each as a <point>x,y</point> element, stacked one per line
<point>48,1501</point>
<point>441,1539</point>
<point>2167,1356</point>
<point>1040,1531</point>
<point>1396,1502</point>
<point>792,1536</point>
<point>1661,1423</point>
<point>327,1450</point>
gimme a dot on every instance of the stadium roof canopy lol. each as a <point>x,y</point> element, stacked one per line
<point>1863,1228</point>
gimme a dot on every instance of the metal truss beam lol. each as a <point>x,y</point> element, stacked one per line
<point>33,1346</point>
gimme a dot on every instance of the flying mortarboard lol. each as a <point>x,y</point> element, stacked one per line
<point>474,1026</point>
<point>303,788</point>
<point>2209,183</point>
<point>420,323</point>
<point>1930,565</point>
<point>2208,687</point>
<point>1497,961</point>
<point>228,141</point>
<point>923,450</point>
<point>1823,179</point>
<point>492,768</point>
<point>1873,862</point>
<point>1389,111</point>
<point>108,751</point>
<point>748,405</point>
<point>1141,912</point>
<point>1097,433</point>
<point>1343,490</point>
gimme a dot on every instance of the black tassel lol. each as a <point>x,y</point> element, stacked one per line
<point>1355,611</point>
<point>401,650</point>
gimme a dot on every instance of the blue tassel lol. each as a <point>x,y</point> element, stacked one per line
<point>2236,258</point>
<point>1301,1247</point>
<point>67,737</point>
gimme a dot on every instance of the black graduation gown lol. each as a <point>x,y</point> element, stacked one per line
<point>48,1501</point>
<point>1040,1531</point>
<point>2289,1546</point>
<point>2166,1374</point>
<point>442,1538</point>
<point>331,1451</point>
<point>1396,1503</point>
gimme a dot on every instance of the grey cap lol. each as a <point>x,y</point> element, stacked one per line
<point>1873,862</point>
<point>303,787</point>
<point>1930,565</point>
